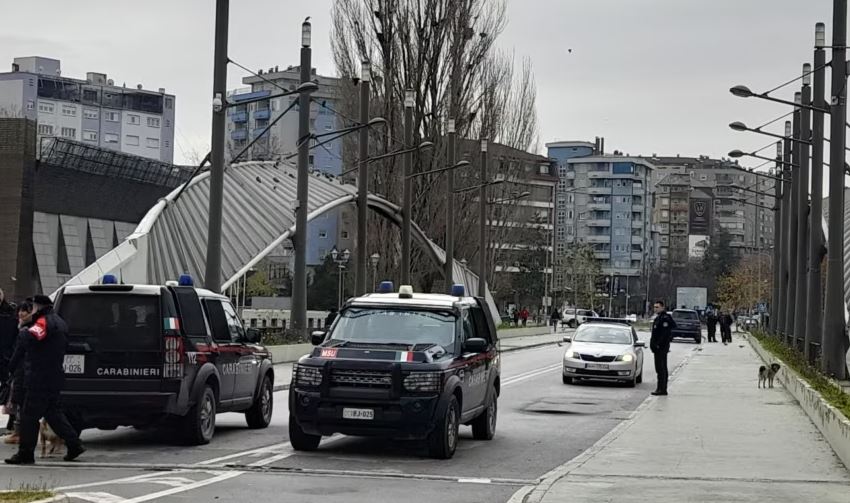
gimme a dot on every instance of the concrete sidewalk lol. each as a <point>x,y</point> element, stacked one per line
<point>717,437</point>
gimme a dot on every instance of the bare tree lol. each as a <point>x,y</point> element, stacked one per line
<point>444,51</point>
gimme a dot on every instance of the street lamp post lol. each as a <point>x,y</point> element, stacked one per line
<point>362,183</point>
<point>450,210</point>
<point>784,216</point>
<point>777,239</point>
<point>407,188</point>
<point>834,328</point>
<point>800,303</point>
<point>482,231</point>
<point>793,199</point>
<point>375,258</point>
<point>341,259</point>
<point>814,306</point>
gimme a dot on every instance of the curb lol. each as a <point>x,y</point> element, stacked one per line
<point>58,498</point>
<point>831,423</point>
<point>536,493</point>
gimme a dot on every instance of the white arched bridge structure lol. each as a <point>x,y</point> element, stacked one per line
<point>258,216</point>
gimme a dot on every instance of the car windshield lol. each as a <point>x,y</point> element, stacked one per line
<point>395,327</point>
<point>603,335</point>
<point>685,315</point>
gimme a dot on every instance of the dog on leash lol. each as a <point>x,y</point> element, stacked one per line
<point>50,441</point>
<point>767,374</point>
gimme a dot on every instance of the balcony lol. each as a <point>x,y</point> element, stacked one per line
<point>602,254</point>
<point>598,238</point>
<point>637,240</point>
<point>257,131</point>
<point>598,191</point>
<point>262,114</point>
<point>599,206</point>
<point>239,117</point>
<point>239,134</point>
<point>637,223</point>
<point>637,207</point>
<point>637,256</point>
<point>598,223</point>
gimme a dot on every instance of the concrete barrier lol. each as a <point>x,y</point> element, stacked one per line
<point>289,352</point>
<point>833,425</point>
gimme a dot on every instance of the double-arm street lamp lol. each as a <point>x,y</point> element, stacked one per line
<point>340,258</point>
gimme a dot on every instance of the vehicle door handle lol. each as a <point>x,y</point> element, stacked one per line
<point>78,347</point>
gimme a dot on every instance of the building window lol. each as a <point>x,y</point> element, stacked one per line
<point>111,116</point>
<point>343,235</point>
<point>69,132</point>
<point>165,144</point>
<point>45,129</point>
<point>110,138</point>
<point>69,110</point>
<point>46,107</point>
<point>30,105</point>
<point>153,121</point>
<point>167,122</point>
<point>169,103</point>
<point>323,234</point>
<point>310,161</point>
<point>132,140</point>
<point>89,113</point>
<point>89,135</point>
<point>153,142</point>
<point>133,119</point>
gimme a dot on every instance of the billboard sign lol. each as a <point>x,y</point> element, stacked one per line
<point>699,217</point>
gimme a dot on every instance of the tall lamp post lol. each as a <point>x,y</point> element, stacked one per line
<point>374,259</point>
<point>341,259</point>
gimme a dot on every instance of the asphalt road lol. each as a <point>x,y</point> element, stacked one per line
<point>542,424</point>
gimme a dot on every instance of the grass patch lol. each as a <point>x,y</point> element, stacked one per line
<point>828,388</point>
<point>24,495</point>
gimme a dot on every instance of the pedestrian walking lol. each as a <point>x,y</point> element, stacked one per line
<point>15,391</point>
<point>659,344</point>
<point>523,315</point>
<point>8,334</point>
<point>515,316</point>
<point>554,319</point>
<point>725,327</point>
<point>711,322</point>
<point>41,347</point>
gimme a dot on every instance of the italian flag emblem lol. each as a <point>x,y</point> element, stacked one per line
<point>404,356</point>
<point>171,323</point>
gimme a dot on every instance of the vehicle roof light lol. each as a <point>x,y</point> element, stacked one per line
<point>185,280</point>
<point>386,287</point>
<point>405,292</point>
<point>109,279</point>
<point>458,291</point>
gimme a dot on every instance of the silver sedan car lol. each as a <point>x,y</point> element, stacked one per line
<point>602,349</point>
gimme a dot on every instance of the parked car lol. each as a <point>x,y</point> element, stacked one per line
<point>574,317</point>
<point>605,349</point>
<point>688,325</point>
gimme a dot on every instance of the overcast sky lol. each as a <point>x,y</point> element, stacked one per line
<point>651,76</point>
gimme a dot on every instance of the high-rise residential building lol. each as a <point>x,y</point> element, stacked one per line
<point>698,196</point>
<point>248,121</point>
<point>605,201</point>
<point>93,111</point>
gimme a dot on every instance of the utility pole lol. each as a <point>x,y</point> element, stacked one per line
<point>777,239</point>
<point>212,274</point>
<point>482,218</point>
<point>299,280</point>
<point>791,247</point>
<point>362,254</point>
<point>784,215</point>
<point>800,303</point>
<point>814,305</point>
<point>834,330</point>
<point>450,209</point>
<point>408,187</point>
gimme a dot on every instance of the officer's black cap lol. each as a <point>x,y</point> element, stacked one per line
<point>42,300</point>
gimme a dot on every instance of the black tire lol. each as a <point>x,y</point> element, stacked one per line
<point>567,380</point>
<point>484,426</point>
<point>260,414</point>
<point>631,383</point>
<point>199,424</point>
<point>639,378</point>
<point>299,440</point>
<point>442,442</point>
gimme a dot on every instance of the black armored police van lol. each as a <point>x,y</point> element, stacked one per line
<point>142,355</point>
<point>401,365</point>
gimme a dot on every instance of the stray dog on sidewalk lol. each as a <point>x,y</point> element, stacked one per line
<point>48,436</point>
<point>766,375</point>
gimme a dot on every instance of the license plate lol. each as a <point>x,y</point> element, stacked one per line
<point>358,414</point>
<point>597,366</point>
<point>75,364</point>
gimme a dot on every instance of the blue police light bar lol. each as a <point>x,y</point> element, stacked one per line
<point>386,287</point>
<point>109,279</point>
<point>458,291</point>
<point>185,280</point>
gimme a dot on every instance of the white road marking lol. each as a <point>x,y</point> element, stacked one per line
<point>528,375</point>
<point>175,490</point>
<point>125,480</point>
<point>253,452</point>
<point>474,481</point>
<point>97,497</point>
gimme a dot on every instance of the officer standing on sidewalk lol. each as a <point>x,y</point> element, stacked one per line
<point>659,343</point>
<point>43,346</point>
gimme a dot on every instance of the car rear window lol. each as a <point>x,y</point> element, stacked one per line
<point>113,322</point>
<point>685,315</point>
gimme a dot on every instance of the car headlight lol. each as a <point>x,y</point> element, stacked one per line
<point>307,376</point>
<point>423,382</point>
<point>625,358</point>
<point>572,354</point>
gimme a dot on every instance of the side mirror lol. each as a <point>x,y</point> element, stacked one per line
<point>317,337</point>
<point>640,344</point>
<point>253,336</point>
<point>475,345</point>
<point>567,338</point>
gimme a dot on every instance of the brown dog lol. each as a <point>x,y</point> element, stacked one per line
<point>48,436</point>
<point>767,374</point>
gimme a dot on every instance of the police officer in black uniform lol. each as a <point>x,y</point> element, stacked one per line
<point>659,343</point>
<point>42,345</point>
<point>711,322</point>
